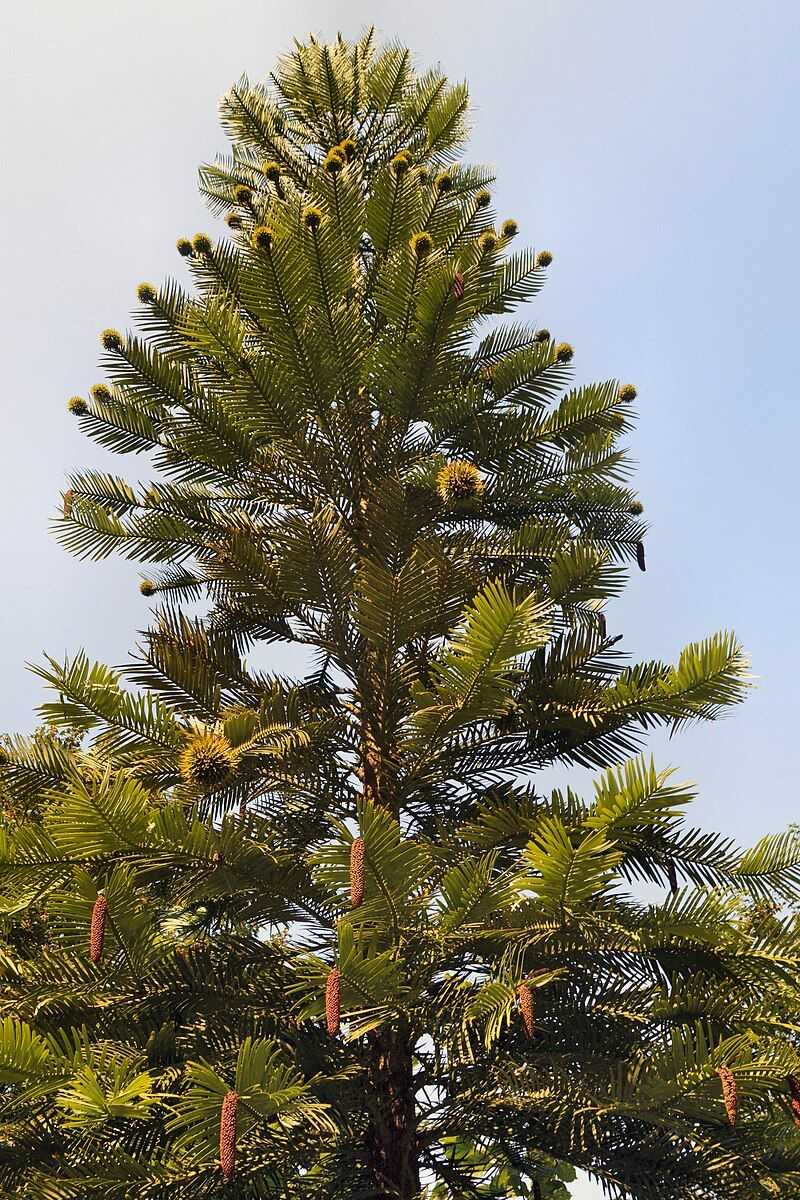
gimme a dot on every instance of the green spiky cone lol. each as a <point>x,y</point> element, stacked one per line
<point>407,487</point>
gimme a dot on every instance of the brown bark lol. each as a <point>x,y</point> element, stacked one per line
<point>392,1134</point>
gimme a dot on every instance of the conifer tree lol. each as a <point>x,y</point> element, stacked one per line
<point>325,936</point>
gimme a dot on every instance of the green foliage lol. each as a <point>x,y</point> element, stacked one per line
<point>298,407</point>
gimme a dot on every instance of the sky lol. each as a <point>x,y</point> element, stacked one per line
<point>650,146</point>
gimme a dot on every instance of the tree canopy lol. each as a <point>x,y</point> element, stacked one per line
<point>325,936</point>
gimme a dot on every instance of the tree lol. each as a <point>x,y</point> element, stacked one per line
<point>324,936</point>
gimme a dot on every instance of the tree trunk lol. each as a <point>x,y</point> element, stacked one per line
<point>392,1135</point>
<point>392,1132</point>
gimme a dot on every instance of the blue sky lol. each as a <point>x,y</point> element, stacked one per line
<point>651,146</point>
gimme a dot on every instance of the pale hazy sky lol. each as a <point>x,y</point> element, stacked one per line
<point>651,145</point>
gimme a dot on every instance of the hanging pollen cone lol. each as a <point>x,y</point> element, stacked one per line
<point>525,1002</point>
<point>729,1093</point>
<point>672,876</point>
<point>227,1135</point>
<point>794,1095</point>
<point>97,932</point>
<point>333,1001</point>
<point>357,872</point>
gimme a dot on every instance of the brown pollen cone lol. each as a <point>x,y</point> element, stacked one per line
<point>794,1094</point>
<point>357,872</point>
<point>97,932</point>
<point>333,1002</point>
<point>525,1002</point>
<point>672,876</point>
<point>458,285</point>
<point>640,556</point>
<point>729,1096</point>
<point>227,1135</point>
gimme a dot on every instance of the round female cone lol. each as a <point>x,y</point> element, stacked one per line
<point>147,587</point>
<point>77,406</point>
<point>348,149</point>
<point>100,393</point>
<point>483,198</point>
<point>542,335</point>
<point>627,392</point>
<point>357,872</point>
<point>242,194</point>
<point>729,1096</point>
<point>111,339</point>
<point>312,218</point>
<point>227,1135</point>
<point>208,760</point>
<point>201,244</point>
<point>444,182</point>
<point>640,559</point>
<point>487,241</point>
<point>421,243</point>
<point>184,247</point>
<point>564,352</point>
<point>401,163</point>
<point>272,170</point>
<point>794,1097</point>
<point>146,293</point>
<point>233,220</point>
<point>525,1002</point>
<point>544,258</point>
<point>509,229</point>
<point>459,481</point>
<point>333,1002</point>
<point>334,161</point>
<point>636,508</point>
<point>97,930</point>
<point>263,237</point>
